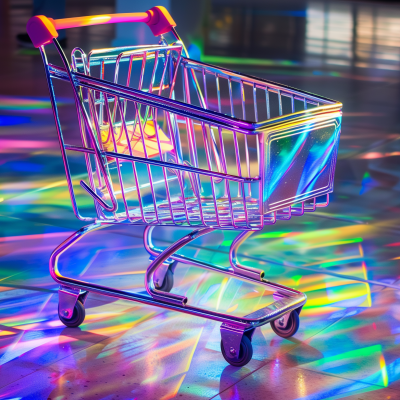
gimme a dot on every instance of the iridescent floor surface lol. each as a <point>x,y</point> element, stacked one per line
<point>345,258</point>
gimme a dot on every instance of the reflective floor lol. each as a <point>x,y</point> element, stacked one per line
<point>346,257</point>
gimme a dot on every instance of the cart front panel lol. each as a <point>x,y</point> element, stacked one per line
<point>300,161</point>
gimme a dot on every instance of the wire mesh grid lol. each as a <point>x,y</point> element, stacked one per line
<point>161,166</point>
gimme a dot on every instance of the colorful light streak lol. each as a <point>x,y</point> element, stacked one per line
<point>22,103</point>
<point>375,154</point>
<point>351,324</point>
<point>12,103</point>
<point>396,244</point>
<point>382,364</point>
<point>9,120</point>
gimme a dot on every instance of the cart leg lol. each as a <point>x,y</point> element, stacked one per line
<point>160,259</point>
<point>164,275</point>
<point>71,300</point>
<point>239,269</point>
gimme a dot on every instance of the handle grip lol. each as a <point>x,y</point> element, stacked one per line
<point>42,30</point>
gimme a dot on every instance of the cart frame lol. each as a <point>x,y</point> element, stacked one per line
<point>288,302</point>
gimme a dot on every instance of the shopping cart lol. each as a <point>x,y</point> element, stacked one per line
<point>170,141</point>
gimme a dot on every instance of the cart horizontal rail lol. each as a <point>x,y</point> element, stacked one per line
<point>289,299</point>
<point>188,110</point>
<point>152,161</point>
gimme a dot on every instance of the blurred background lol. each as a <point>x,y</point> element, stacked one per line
<point>347,51</point>
<point>345,257</point>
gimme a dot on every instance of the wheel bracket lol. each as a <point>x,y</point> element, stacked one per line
<point>231,338</point>
<point>67,299</point>
<point>283,320</point>
<point>161,271</point>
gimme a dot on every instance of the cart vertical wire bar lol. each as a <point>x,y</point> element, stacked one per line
<point>166,62</point>
<point>94,117</point>
<point>209,163</point>
<point>89,128</point>
<point>82,130</point>
<point>111,128</point>
<point>178,172</point>
<point>226,181</point>
<point>143,126</point>
<point>61,139</point>
<point>245,142</point>
<point>101,99</point>
<point>227,186</point>
<point>267,105</point>
<point>292,103</point>
<point>165,174</point>
<point>155,122</point>
<point>147,165</point>
<point>133,163</point>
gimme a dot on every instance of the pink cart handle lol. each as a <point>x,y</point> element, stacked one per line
<point>42,30</point>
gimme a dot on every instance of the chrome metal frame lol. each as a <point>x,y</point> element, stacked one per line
<point>325,111</point>
<point>233,327</point>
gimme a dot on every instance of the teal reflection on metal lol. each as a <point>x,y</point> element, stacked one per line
<point>300,163</point>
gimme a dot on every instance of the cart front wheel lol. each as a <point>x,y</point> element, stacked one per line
<point>291,327</point>
<point>245,354</point>
<point>77,318</point>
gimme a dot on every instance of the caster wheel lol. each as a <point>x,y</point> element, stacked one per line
<point>291,328</point>
<point>168,283</point>
<point>245,354</point>
<point>77,317</point>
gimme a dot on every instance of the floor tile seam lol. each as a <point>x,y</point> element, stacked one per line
<point>313,371</point>
<point>60,359</point>
<point>395,282</point>
<point>349,379</point>
<point>97,300</point>
<point>17,303</point>
<point>312,336</point>
<point>43,367</point>
<point>244,377</point>
<point>39,223</point>
<point>21,330</point>
<point>32,288</point>
<point>197,247</point>
<point>109,337</point>
<point>10,329</point>
<point>324,272</point>
<point>17,380</point>
<point>63,358</point>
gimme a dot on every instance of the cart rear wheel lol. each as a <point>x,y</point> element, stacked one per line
<point>77,318</point>
<point>168,283</point>
<point>290,329</point>
<point>245,354</point>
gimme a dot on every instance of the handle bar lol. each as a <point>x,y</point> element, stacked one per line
<point>42,30</point>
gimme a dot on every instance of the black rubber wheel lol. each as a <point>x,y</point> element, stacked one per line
<point>168,283</point>
<point>245,354</point>
<point>78,316</point>
<point>291,327</point>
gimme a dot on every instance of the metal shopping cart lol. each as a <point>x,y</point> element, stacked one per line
<point>170,141</point>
